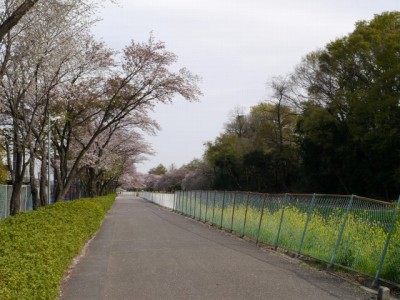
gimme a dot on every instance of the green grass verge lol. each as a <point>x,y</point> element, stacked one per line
<point>37,247</point>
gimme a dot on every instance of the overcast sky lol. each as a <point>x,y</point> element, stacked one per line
<point>236,46</point>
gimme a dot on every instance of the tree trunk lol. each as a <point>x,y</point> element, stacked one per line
<point>59,187</point>
<point>14,18</point>
<point>33,181</point>
<point>105,186</point>
<point>85,182</point>
<point>15,203</point>
<point>63,190</point>
<point>61,173</point>
<point>43,180</point>
<point>18,179</point>
<point>92,182</point>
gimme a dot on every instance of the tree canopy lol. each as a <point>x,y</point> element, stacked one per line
<point>349,129</point>
<point>330,126</point>
<point>159,170</point>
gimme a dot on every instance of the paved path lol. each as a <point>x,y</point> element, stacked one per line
<point>146,252</point>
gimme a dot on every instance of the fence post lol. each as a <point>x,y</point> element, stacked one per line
<point>183,202</point>
<point>186,203</point>
<point>285,199</point>
<point>177,204</point>
<point>245,213</point>
<point>259,224</point>
<point>181,193</point>
<point>195,203</point>
<point>201,195</point>
<point>233,212</point>
<point>205,216</point>
<point>392,229</point>
<point>190,205</point>
<point>26,201</point>
<point>173,203</point>
<point>341,232</point>
<point>215,195</point>
<point>222,213</point>
<point>22,196</point>
<point>181,199</point>
<point>21,200</point>
<point>310,209</point>
<point>8,201</point>
<point>6,204</point>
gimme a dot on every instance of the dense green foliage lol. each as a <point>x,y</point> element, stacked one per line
<point>262,156</point>
<point>159,170</point>
<point>350,134</point>
<point>331,127</point>
<point>37,247</point>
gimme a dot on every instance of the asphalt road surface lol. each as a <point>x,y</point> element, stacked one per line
<point>144,251</point>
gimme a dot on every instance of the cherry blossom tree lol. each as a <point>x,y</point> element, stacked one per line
<point>10,17</point>
<point>37,55</point>
<point>52,67</point>
<point>131,179</point>
<point>12,12</point>
<point>129,86</point>
<point>112,156</point>
<point>30,68</point>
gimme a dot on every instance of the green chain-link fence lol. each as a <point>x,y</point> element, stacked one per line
<point>5,196</point>
<point>353,232</point>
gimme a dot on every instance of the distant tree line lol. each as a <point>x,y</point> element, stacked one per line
<point>194,175</point>
<point>331,126</point>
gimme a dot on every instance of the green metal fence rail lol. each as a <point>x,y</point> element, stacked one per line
<point>356,233</point>
<point>5,196</point>
<point>26,203</point>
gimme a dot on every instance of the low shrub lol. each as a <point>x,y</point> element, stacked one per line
<point>37,247</point>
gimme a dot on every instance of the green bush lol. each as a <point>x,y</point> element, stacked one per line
<point>37,247</point>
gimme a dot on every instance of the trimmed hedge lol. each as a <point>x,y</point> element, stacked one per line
<point>37,247</point>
